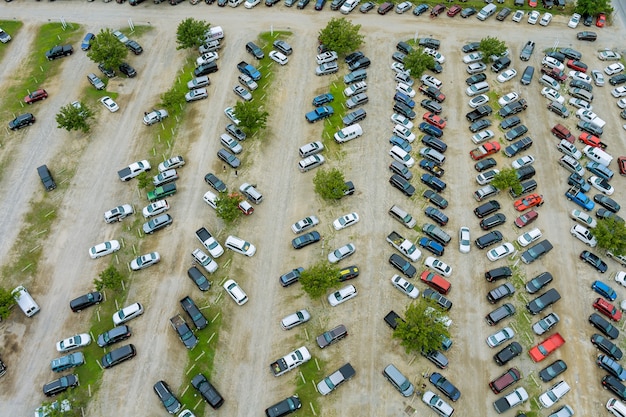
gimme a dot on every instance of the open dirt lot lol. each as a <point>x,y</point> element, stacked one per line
<point>251,337</point>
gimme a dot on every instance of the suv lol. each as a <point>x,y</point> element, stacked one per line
<point>488,239</point>
<point>527,51</point>
<point>498,273</point>
<point>95,81</point>
<point>60,385</point>
<point>46,178</point>
<point>286,406</point>
<point>485,209</point>
<point>134,47</point>
<point>500,313</point>
<point>165,394</point>
<point>254,50</point>
<point>500,64</point>
<point>513,108</point>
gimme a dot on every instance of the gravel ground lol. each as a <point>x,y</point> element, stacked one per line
<point>245,350</point>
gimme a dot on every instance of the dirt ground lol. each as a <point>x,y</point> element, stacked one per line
<point>251,337</point>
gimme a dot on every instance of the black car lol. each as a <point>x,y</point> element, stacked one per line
<point>607,202</point>
<point>510,122</point>
<point>518,146</point>
<point>435,198</point>
<point>618,79</point>
<point>581,84</point>
<point>536,251</point>
<point>119,355</point>
<point>360,63</point>
<point>485,164</point>
<point>553,370</point>
<point>305,240</point>
<point>165,394</point>
<point>507,353</point>
<point>116,334</point>
<point>21,121</point>
<point>207,391</point>
<point>480,125</point>
<point>285,407</point>
<point>513,108</point>
<point>432,106</point>
<point>516,132</point>
<point>493,221</point>
<point>215,182</point>
<point>433,182</point>
<point>557,55</point>
<point>525,172</point>
<point>235,131</point>
<point>429,43</point>
<point>354,56</point>
<point>402,265</point>
<point>402,184</point>
<point>488,239</point>
<point>354,117</point>
<point>495,274</point>
<point>544,301</point>
<point>302,4</point>
<point>439,218</point>
<point>604,326</point>
<point>593,260</point>
<point>433,93</point>
<point>478,113</point>
<point>60,385</point>
<point>199,279</point>
<point>434,143</point>
<point>109,72</point>
<point>205,69</point>
<point>134,47</point>
<point>431,167</point>
<point>404,47</point>
<point>613,384</point>
<point>471,47</point>
<point>606,346</point>
<point>441,301</point>
<point>194,313</point>
<point>487,208</point>
<point>127,70</point>
<point>571,53</point>
<point>476,78</point>
<point>87,300</point>
<point>538,282</point>
<point>291,277</point>
<point>445,386</point>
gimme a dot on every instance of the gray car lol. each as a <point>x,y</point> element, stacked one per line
<point>283,47</point>
<point>157,223</point>
<point>199,82</point>
<point>242,92</point>
<point>327,68</point>
<point>196,94</point>
<point>229,158</point>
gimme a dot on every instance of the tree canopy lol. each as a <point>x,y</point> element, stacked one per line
<point>611,235</point>
<point>107,50</point>
<point>75,116</point>
<point>507,177</point>
<point>251,117</point>
<point>329,184</point>
<point>341,35</point>
<point>319,278</point>
<point>422,329</point>
<point>191,33</point>
<point>6,302</point>
<point>491,46</point>
<point>593,7</point>
<point>110,278</point>
<point>417,61</point>
<point>228,206</point>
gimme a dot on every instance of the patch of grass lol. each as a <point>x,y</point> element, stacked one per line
<point>12,28</point>
<point>306,381</point>
<point>335,122</point>
<point>137,32</point>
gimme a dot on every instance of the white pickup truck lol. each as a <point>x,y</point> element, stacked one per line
<point>404,246</point>
<point>290,361</point>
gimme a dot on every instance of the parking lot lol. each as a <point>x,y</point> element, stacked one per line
<point>251,337</point>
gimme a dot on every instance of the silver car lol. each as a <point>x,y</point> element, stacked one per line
<point>199,82</point>
<point>242,92</point>
<point>327,68</point>
<point>341,253</point>
<point>295,319</point>
<point>230,143</point>
<point>197,94</point>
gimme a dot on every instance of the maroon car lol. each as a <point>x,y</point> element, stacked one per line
<point>526,218</point>
<point>36,96</point>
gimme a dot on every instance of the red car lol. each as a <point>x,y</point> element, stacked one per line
<point>454,10</point>
<point>36,96</point>
<point>589,139</point>
<point>621,163</point>
<point>555,73</point>
<point>434,120</point>
<point>545,348</point>
<point>436,282</point>
<point>526,218</point>
<point>532,3</point>
<point>385,7</point>
<point>601,20</point>
<point>607,309</point>
<point>577,65</point>
<point>485,150</point>
<point>527,202</point>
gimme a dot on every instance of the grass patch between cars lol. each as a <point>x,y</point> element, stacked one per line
<point>11,27</point>
<point>306,383</point>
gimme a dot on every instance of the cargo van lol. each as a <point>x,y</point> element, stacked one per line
<point>399,381</point>
<point>597,155</point>
<point>25,301</point>
<point>402,216</point>
<point>486,11</point>
<point>215,32</point>
<point>348,133</point>
<point>251,193</point>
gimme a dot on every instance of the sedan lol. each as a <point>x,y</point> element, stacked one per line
<point>242,92</point>
<point>473,57</point>
<point>441,301</point>
<point>618,92</point>
<point>117,334</point>
<point>607,202</point>
<point>606,346</point>
<point>145,261</point>
<point>164,177</point>
<point>156,208</point>
<point>197,94</point>
<point>341,253</point>
<point>478,101</point>
<point>487,176</point>
<point>584,235</point>
<point>171,163</point>
<point>608,55</point>
<point>442,384</point>
<point>614,68</point>
<point>482,136</point>
<point>118,213</point>
<point>404,286</point>
<point>526,218</point>
<point>604,326</point>
<point>304,224</point>
<point>401,120</point>
<point>464,239</point>
<point>230,113</point>
<point>507,75</point>
<point>598,78</point>
<point>500,252</point>
<point>305,240</point>
<point>105,248</point>
<point>157,223</point>
<point>553,370</point>
<point>552,95</point>
<point>500,337</point>
<point>574,21</point>
<point>508,98</point>
<point>601,184</point>
<point>593,260</point>
<point>322,99</point>
<point>523,161</point>
<point>529,237</point>
<point>438,266</point>
<point>485,164</point>
<point>470,47</point>
<point>346,221</point>
<point>109,104</point>
<point>73,342</point>
<point>583,218</point>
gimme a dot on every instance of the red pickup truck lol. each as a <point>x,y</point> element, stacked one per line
<point>545,348</point>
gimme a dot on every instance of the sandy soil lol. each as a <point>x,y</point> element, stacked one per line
<point>251,337</point>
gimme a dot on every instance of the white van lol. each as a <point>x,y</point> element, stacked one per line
<point>402,156</point>
<point>486,11</point>
<point>616,407</point>
<point>210,199</point>
<point>348,133</point>
<point>25,301</point>
<point>597,155</point>
<point>216,32</point>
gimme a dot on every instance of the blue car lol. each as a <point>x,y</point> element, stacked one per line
<point>600,170</point>
<point>604,290</point>
<point>323,99</point>
<point>319,4</point>
<point>402,143</point>
<point>580,198</point>
<point>433,182</point>
<point>612,367</point>
<point>319,113</point>
<point>430,129</point>
<point>445,386</point>
<point>87,41</point>
<point>403,98</point>
<point>431,246</point>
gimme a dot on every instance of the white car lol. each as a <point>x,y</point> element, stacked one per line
<point>580,103</point>
<point>47,410</point>
<point>618,92</point>
<point>552,95</point>
<point>601,184</point>
<point>172,163</point>
<point>500,252</point>
<point>523,161</point>
<point>486,177</point>
<point>438,266</point>
<point>620,278</point>
<point>236,293</point>
<point>476,67</point>
<point>608,55</point>
<point>499,337</point>
<point>464,240</point>
<point>304,224</point>
<point>356,88</point>
<point>621,103</point>
<point>230,143</point>
<point>403,7</point>
<point>573,21</point>
<point>154,117</point>
<point>118,213</point>
<point>548,61</point>
<point>164,177</point>
<point>580,76</point>
<point>473,57</point>
<point>533,17</point>
<point>404,286</point>
<point>127,313</point>
<point>242,92</point>
<point>328,56</point>
<point>205,260</point>
<point>518,16</point>
<point>404,133</point>
<point>155,208</point>
<point>346,221</point>
<point>249,4</point>
<point>508,98</point>
<point>109,104</point>
<point>435,54</point>
<point>348,6</point>
<point>402,120</point>
<point>583,218</point>
<point>230,113</point>
<point>482,136</point>
<point>240,246</point>
<point>398,67</point>
<point>554,394</point>
<point>104,248</point>
<point>278,57</point>
<point>341,253</point>
<point>295,319</point>
<point>598,77</point>
<point>197,94</point>
<point>478,101</point>
<point>207,57</point>
<point>73,342</point>
<point>405,89</point>
<point>529,237</point>
<point>145,261</point>
<point>546,19</point>
<point>584,235</point>
<point>614,68</point>
<point>342,295</point>
<point>435,402</point>
<point>507,75</point>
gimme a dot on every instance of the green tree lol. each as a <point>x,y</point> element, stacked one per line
<point>507,177</point>
<point>341,35</point>
<point>228,206</point>
<point>593,7</point>
<point>422,329</point>
<point>6,303</point>
<point>173,100</point>
<point>417,61</point>
<point>251,117</point>
<point>110,278</point>
<point>143,181</point>
<point>330,184</point>
<point>107,49</point>
<point>611,235</point>
<point>74,117</point>
<point>191,33</point>
<point>319,278</point>
<point>491,46</point>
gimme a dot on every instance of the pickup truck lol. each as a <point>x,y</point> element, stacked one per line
<point>484,150</point>
<point>513,108</point>
<point>319,113</point>
<point>161,192</point>
<point>392,318</point>
<point>194,313</point>
<point>577,196</point>
<point>589,139</point>
<point>478,113</point>
<point>209,242</point>
<point>290,361</point>
<point>545,348</point>
<point>514,398</point>
<point>249,70</point>
<point>405,246</point>
<point>133,170</point>
<point>184,332</point>
<point>59,51</point>
<point>331,382</point>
